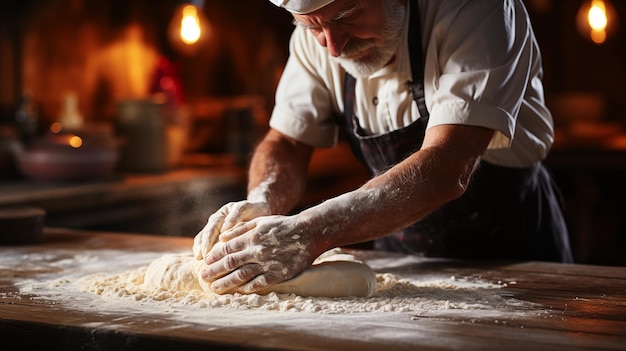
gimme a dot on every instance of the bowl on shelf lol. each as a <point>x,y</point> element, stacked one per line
<point>68,157</point>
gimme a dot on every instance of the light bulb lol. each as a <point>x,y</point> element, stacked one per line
<point>188,28</point>
<point>596,20</point>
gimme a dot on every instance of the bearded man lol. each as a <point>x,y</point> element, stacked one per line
<point>441,100</point>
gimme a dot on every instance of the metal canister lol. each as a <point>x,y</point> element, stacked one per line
<point>142,127</point>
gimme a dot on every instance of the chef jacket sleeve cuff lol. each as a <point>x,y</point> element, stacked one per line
<point>476,114</point>
<point>321,134</point>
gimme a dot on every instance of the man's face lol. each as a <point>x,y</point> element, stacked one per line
<point>361,35</point>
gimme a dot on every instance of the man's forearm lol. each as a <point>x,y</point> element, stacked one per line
<point>407,192</point>
<point>277,174</point>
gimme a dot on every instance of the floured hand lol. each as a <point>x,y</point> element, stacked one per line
<point>258,254</point>
<point>224,219</point>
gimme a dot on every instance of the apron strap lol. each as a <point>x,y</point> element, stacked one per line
<point>377,161</point>
<point>417,60</point>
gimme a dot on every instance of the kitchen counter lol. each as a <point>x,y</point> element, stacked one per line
<point>176,202</point>
<point>58,196</point>
<point>508,305</point>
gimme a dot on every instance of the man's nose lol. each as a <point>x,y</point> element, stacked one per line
<point>335,39</point>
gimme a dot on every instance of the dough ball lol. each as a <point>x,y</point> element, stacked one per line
<point>334,274</point>
<point>177,272</point>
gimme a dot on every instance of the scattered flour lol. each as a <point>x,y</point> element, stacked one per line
<point>393,294</point>
<point>75,280</point>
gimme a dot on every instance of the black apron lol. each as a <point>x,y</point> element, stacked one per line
<point>505,213</point>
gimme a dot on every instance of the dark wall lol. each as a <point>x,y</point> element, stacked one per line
<point>573,63</point>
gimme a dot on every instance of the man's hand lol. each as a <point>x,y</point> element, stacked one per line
<point>224,219</point>
<point>258,254</point>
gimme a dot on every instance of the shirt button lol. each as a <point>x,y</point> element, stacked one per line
<point>375,100</point>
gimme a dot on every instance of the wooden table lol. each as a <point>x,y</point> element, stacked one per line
<point>576,307</point>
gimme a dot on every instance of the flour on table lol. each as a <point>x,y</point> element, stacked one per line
<point>426,296</point>
<point>334,274</point>
<point>411,294</point>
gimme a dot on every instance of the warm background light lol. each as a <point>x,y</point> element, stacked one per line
<point>188,28</point>
<point>56,127</point>
<point>76,141</point>
<point>596,20</point>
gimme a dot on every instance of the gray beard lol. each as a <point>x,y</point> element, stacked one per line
<point>379,53</point>
<point>364,68</point>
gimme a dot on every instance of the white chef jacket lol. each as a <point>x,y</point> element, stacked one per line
<point>482,68</point>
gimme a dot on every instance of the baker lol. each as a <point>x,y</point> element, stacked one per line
<point>441,100</point>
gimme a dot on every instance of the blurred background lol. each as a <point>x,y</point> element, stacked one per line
<point>109,71</point>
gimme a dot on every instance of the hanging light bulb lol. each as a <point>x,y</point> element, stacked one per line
<point>188,28</point>
<point>596,20</point>
<point>190,31</point>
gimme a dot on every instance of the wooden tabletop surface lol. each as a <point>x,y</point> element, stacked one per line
<point>574,307</point>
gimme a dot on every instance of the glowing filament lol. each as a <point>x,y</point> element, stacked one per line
<point>190,30</point>
<point>597,15</point>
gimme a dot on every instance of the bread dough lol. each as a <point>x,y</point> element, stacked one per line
<point>333,274</point>
<point>178,272</point>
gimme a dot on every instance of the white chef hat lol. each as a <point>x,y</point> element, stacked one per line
<point>301,6</point>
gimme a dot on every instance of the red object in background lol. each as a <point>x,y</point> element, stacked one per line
<point>166,82</point>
